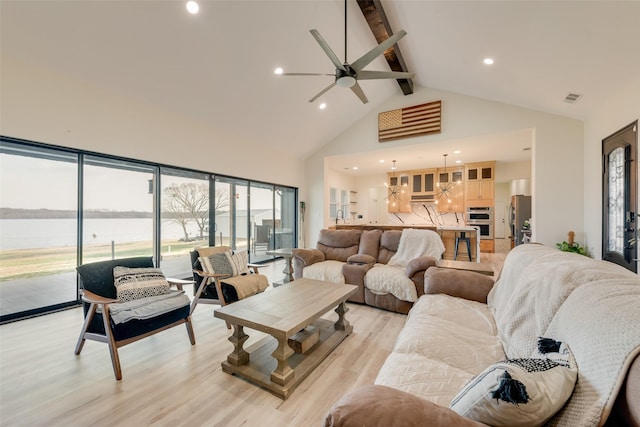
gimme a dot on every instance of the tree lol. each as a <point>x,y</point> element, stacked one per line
<point>190,202</point>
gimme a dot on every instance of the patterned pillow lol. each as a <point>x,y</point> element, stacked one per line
<point>239,261</point>
<point>520,392</point>
<point>217,264</point>
<point>134,283</point>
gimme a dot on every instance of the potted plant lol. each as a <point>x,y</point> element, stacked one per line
<point>571,245</point>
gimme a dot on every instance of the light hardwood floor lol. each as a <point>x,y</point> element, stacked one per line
<point>166,381</point>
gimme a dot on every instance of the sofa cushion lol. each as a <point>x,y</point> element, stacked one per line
<point>217,263</point>
<point>239,262</point>
<point>601,322</point>
<point>520,392</point>
<point>331,271</point>
<point>374,406</point>
<point>389,242</point>
<point>445,342</point>
<point>534,283</point>
<point>370,243</point>
<point>338,245</point>
<point>135,283</point>
<point>457,283</point>
<point>464,337</point>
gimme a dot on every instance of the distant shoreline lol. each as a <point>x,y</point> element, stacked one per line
<point>13,213</point>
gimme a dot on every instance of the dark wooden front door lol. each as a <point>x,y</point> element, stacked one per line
<point>619,203</point>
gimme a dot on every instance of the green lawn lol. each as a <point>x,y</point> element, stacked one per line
<point>25,263</point>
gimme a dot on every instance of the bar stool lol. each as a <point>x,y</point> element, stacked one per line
<point>462,235</point>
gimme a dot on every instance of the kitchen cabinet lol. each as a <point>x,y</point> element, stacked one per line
<point>423,185</point>
<point>479,190</point>
<point>479,184</point>
<point>483,171</point>
<point>457,196</point>
<point>398,195</point>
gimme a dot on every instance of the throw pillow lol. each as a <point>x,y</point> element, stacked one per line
<point>217,264</point>
<point>239,261</point>
<point>520,392</point>
<point>134,283</point>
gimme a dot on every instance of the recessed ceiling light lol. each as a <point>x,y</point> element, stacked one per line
<point>456,152</point>
<point>278,71</point>
<point>488,61</point>
<point>193,7</point>
<point>322,106</point>
<point>381,161</point>
<point>458,161</point>
<point>355,168</point>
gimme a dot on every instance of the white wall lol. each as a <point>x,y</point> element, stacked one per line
<point>558,142</point>
<point>47,107</point>
<point>620,110</point>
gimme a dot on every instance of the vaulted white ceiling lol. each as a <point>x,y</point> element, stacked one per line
<point>217,66</point>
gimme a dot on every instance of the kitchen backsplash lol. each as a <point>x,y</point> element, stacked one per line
<point>426,214</point>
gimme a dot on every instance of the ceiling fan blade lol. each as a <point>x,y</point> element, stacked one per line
<point>366,59</point>
<point>325,46</point>
<point>322,92</point>
<point>359,93</point>
<point>370,75</point>
<point>306,74</point>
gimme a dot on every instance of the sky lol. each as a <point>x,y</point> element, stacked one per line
<point>31,183</point>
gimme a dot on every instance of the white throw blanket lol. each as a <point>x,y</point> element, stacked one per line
<point>382,279</point>
<point>601,321</point>
<point>392,277</point>
<point>146,308</point>
<point>415,243</point>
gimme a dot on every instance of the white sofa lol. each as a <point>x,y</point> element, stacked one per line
<point>592,306</point>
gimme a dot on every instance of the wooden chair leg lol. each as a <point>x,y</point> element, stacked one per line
<point>196,297</point>
<point>87,321</point>
<point>189,325</point>
<point>223,302</point>
<point>113,349</point>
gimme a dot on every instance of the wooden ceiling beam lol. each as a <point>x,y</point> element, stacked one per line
<point>379,25</point>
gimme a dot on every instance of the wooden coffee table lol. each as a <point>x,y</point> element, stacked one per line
<point>282,313</point>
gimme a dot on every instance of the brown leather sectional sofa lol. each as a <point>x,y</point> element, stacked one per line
<point>359,251</point>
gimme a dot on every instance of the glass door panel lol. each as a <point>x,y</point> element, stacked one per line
<point>184,219</point>
<point>619,202</point>
<point>38,239</point>
<point>230,216</point>
<point>285,213</point>
<point>263,222</point>
<point>117,209</point>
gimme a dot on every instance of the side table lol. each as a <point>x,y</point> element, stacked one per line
<point>287,254</point>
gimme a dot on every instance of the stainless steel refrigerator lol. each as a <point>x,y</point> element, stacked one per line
<point>520,209</point>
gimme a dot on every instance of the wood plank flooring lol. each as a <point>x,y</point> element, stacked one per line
<point>166,381</point>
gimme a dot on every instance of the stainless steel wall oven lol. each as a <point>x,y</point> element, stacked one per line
<point>481,217</point>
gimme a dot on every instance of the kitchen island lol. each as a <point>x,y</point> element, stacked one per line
<point>448,234</point>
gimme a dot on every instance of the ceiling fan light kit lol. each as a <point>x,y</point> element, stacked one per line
<point>346,74</point>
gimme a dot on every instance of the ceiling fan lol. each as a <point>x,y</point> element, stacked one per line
<point>347,75</point>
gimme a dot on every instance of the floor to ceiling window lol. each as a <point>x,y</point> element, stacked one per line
<point>61,207</point>
<point>118,209</point>
<point>263,221</point>
<point>184,218</point>
<point>38,229</point>
<point>231,213</point>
